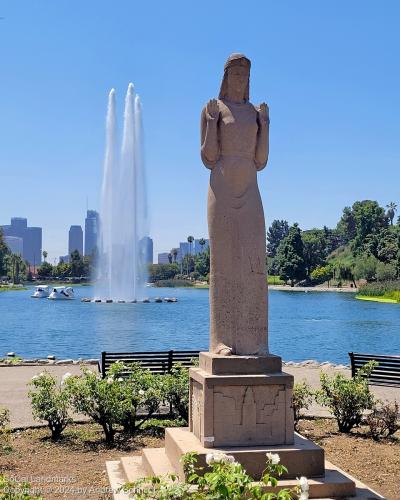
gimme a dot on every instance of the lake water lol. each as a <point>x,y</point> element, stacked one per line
<point>314,325</point>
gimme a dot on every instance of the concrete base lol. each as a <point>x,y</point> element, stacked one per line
<point>240,401</point>
<point>303,458</point>
<point>333,485</point>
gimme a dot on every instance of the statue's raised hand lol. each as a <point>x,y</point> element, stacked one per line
<point>263,113</point>
<point>212,110</point>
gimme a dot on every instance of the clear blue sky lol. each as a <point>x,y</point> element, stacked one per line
<point>328,70</point>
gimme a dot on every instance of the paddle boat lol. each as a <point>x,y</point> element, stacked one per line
<point>61,293</point>
<point>41,292</point>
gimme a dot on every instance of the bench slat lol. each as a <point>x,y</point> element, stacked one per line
<point>386,373</point>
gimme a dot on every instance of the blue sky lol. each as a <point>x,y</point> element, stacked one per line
<point>328,70</point>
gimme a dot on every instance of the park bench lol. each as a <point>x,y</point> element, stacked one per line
<point>386,373</point>
<point>157,362</point>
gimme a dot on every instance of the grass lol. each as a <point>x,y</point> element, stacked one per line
<point>275,280</point>
<point>8,288</point>
<point>381,291</point>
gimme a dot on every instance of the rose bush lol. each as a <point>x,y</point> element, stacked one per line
<point>50,402</point>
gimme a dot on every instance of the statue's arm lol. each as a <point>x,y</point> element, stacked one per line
<point>262,144</point>
<point>210,151</point>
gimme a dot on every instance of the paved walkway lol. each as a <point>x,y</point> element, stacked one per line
<point>14,390</point>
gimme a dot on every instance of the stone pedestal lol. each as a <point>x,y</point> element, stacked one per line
<point>241,406</point>
<point>241,401</point>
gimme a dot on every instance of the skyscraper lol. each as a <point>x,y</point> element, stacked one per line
<point>91,231</point>
<point>33,245</point>
<point>146,245</point>
<point>75,239</point>
<point>15,244</point>
<point>31,239</point>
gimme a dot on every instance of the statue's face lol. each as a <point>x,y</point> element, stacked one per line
<point>237,78</point>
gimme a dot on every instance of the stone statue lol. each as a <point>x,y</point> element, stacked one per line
<point>234,146</point>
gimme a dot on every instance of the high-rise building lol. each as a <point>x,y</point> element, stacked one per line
<point>163,258</point>
<point>184,249</point>
<point>15,244</point>
<point>91,231</point>
<point>31,239</point>
<point>146,247</point>
<point>75,239</point>
<point>33,245</point>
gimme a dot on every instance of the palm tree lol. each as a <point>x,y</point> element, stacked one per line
<point>14,265</point>
<point>44,255</point>
<point>202,242</point>
<point>170,258</point>
<point>392,208</point>
<point>174,253</point>
<point>190,240</point>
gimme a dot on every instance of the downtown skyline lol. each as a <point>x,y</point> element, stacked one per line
<point>333,107</point>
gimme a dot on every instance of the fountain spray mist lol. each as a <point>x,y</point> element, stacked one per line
<point>121,270</point>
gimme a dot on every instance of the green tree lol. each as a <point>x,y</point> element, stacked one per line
<point>45,270</point>
<point>77,264</point>
<point>290,256</point>
<point>202,263</point>
<point>277,231</point>
<point>392,209</point>
<point>15,267</point>
<point>370,219</point>
<point>322,273</point>
<point>365,267</point>
<point>159,272</point>
<point>386,272</point>
<point>190,240</point>
<point>346,227</point>
<point>44,253</point>
<point>314,249</point>
<point>174,253</point>
<point>202,242</point>
<point>4,250</point>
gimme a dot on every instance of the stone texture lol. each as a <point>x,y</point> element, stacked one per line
<point>234,145</point>
<point>301,458</point>
<point>217,364</point>
<point>241,410</point>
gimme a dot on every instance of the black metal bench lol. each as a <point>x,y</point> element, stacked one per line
<point>386,373</point>
<point>157,362</point>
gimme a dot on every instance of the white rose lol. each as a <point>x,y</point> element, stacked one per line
<point>120,379</point>
<point>141,392</point>
<point>273,458</point>
<point>209,458</point>
<point>35,377</point>
<point>110,380</point>
<point>303,483</point>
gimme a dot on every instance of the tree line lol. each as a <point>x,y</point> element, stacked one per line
<point>365,244</point>
<point>17,270</point>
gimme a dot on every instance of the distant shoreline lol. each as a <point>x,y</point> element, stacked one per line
<point>377,299</point>
<point>286,288</point>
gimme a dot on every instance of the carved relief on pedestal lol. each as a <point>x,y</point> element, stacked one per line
<point>249,414</point>
<point>196,407</point>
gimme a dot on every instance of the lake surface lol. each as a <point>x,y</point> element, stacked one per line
<point>314,325</point>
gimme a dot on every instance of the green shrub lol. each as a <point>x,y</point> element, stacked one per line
<point>49,401</point>
<point>384,420</point>
<point>388,289</point>
<point>139,389</point>
<point>346,398</point>
<point>177,391</point>
<point>97,398</point>
<point>302,398</point>
<point>224,479</point>
<point>13,490</point>
<point>4,418</point>
<point>156,426</point>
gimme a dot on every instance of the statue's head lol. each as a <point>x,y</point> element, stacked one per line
<point>236,77</point>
